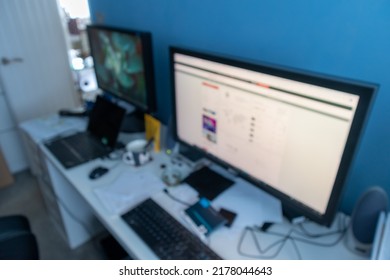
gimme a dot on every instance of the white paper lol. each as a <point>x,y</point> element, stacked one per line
<point>51,126</point>
<point>127,190</point>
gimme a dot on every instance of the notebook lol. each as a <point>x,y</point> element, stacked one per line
<point>97,141</point>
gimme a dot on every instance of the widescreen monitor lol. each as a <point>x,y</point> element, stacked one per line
<point>123,63</point>
<point>289,132</point>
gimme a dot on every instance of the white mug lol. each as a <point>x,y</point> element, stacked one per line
<point>136,154</point>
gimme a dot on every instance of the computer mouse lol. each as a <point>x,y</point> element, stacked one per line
<point>98,172</point>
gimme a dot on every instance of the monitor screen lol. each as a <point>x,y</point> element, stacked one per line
<point>289,132</point>
<point>123,64</point>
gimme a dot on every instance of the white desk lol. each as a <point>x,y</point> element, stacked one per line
<point>224,241</point>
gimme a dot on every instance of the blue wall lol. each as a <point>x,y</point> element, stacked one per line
<point>339,37</point>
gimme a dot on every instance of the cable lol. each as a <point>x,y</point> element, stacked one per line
<point>331,244</point>
<point>282,242</point>
<point>175,198</point>
<point>267,248</point>
<point>296,248</point>
<point>312,242</point>
<point>341,231</point>
<point>306,233</point>
<point>284,237</point>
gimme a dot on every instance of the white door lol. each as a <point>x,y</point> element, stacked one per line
<point>34,65</point>
<point>10,142</point>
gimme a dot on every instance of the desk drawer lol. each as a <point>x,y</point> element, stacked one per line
<point>32,152</point>
<point>52,207</point>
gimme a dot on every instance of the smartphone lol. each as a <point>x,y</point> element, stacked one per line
<point>228,215</point>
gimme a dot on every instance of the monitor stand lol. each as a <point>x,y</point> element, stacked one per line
<point>190,153</point>
<point>133,122</point>
<point>290,214</point>
<point>208,183</point>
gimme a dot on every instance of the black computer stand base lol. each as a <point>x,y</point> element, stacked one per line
<point>291,215</point>
<point>133,122</point>
<point>208,183</point>
<point>190,153</point>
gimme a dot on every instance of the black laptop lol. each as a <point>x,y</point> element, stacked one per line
<point>99,140</point>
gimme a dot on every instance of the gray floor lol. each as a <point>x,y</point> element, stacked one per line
<point>23,197</point>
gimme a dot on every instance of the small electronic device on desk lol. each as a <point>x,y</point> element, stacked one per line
<point>204,218</point>
<point>98,172</point>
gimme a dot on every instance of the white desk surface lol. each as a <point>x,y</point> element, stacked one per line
<point>46,127</point>
<point>223,241</point>
<point>252,205</point>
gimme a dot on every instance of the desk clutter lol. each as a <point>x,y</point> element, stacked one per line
<point>125,187</point>
<point>274,137</point>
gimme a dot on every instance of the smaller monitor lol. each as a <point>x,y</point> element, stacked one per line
<point>123,64</point>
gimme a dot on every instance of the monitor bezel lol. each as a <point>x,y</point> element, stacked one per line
<point>366,92</point>
<point>147,56</point>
